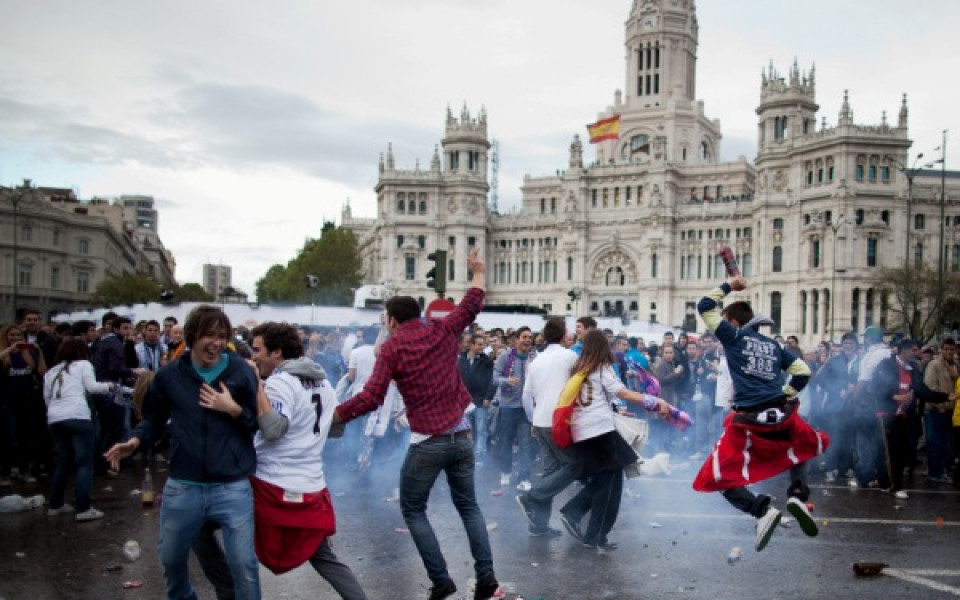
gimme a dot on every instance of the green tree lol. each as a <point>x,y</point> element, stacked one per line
<point>333,259</point>
<point>126,288</point>
<point>192,292</point>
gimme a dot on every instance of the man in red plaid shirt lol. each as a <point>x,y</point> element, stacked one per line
<point>422,359</point>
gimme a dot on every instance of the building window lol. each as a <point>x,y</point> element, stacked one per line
<point>859,216</point>
<point>421,241</point>
<point>803,312</point>
<point>868,312</point>
<point>918,255</point>
<point>746,265</point>
<point>55,277</point>
<point>653,266</point>
<point>854,308</point>
<point>955,259</point>
<point>26,233</point>
<point>450,264</point>
<point>919,221</point>
<point>885,174</point>
<point>569,268</point>
<point>777,259</point>
<point>815,254</point>
<point>83,282</point>
<point>471,241</point>
<point>873,172</point>
<point>411,268</point>
<point>399,241</point>
<point>401,206</point>
<point>423,207</point>
<point>777,224</point>
<point>871,252</point>
<point>25,274</point>
<point>83,247</point>
<point>56,237</point>
<point>859,173</point>
<point>543,206</point>
<point>775,309</point>
<point>503,272</point>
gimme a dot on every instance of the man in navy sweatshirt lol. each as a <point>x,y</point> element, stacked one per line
<point>763,435</point>
<point>211,452</point>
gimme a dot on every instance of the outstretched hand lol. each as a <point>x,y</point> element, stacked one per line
<point>120,451</point>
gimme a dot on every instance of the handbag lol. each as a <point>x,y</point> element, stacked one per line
<point>563,412</point>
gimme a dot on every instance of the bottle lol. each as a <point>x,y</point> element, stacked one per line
<point>679,419</point>
<point>698,394</point>
<point>131,550</point>
<point>736,553</point>
<point>730,262</point>
<point>147,496</point>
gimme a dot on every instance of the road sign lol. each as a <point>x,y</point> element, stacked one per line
<point>439,308</point>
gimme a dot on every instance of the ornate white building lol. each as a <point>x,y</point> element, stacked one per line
<point>636,232</point>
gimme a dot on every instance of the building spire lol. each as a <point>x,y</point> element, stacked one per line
<point>846,115</point>
<point>902,120</point>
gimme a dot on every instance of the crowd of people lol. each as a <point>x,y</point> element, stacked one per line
<point>243,418</point>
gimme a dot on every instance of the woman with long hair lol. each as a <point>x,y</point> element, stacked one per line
<point>602,452</point>
<point>65,389</point>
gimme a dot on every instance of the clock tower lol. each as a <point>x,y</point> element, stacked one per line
<point>661,40</point>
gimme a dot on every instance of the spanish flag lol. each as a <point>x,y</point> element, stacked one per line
<point>607,129</point>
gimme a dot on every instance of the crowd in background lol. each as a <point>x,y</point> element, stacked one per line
<point>886,406</point>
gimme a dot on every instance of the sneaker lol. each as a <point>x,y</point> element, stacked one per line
<point>443,589</point>
<point>487,586</point>
<point>853,483</point>
<point>901,495</point>
<point>766,525</point>
<point>28,478</point>
<point>504,479</point>
<point>830,477</point>
<point>524,486</point>
<point>111,474</point>
<point>604,546</point>
<point>524,501</point>
<point>544,532</point>
<point>91,514</point>
<point>802,514</point>
<point>66,508</point>
<point>572,527</point>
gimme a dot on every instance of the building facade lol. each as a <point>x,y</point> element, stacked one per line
<point>636,232</point>
<point>217,278</point>
<point>55,249</point>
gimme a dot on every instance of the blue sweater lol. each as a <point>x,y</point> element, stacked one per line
<point>755,361</point>
<point>206,446</point>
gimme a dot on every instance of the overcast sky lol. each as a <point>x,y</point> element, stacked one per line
<point>251,122</point>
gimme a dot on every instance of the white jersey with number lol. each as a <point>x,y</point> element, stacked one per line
<point>295,461</point>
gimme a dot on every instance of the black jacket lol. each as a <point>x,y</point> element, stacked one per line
<point>478,377</point>
<point>110,360</point>
<point>206,446</point>
<point>885,384</point>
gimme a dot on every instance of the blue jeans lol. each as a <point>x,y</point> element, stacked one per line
<point>937,426</point>
<point>478,422</point>
<point>185,509</point>
<point>514,425</point>
<point>423,464</point>
<point>559,471</point>
<point>74,440</point>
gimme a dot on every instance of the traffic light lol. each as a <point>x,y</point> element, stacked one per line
<point>437,276</point>
<point>312,281</point>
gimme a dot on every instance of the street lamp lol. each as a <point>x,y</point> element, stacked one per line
<point>312,282</point>
<point>910,173</point>
<point>835,226</point>
<point>943,204</point>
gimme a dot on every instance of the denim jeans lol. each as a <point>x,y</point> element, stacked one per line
<point>74,440</point>
<point>937,426</point>
<point>454,456</point>
<point>559,471</point>
<point>478,422</point>
<point>185,509</point>
<point>514,425</point>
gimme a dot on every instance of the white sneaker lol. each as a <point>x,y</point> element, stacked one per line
<point>802,514</point>
<point>28,478</point>
<point>66,508</point>
<point>766,525</point>
<point>901,495</point>
<point>504,479</point>
<point>524,486</point>
<point>830,477</point>
<point>91,514</point>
